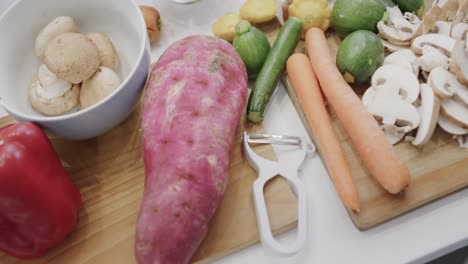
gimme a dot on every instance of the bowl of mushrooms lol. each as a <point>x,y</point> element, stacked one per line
<point>76,68</point>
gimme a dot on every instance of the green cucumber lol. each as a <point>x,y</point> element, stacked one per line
<point>352,15</point>
<point>412,6</point>
<point>273,68</point>
<point>252,46</point>
<point>359,56</point>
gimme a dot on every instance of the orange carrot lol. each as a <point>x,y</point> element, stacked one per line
<point>377,154</point>
<point>305,85</point>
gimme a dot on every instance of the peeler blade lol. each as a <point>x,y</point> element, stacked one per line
<point>256,138</point>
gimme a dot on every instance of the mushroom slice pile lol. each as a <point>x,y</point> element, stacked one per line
<point>443,43</point>
<point>450,127</point>
<point>454,95</point>
<point>398,29</point>
<point>429,113</point>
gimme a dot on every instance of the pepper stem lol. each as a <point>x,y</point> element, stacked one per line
<point>242,27</point>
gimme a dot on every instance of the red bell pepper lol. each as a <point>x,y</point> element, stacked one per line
<point>38,201</point>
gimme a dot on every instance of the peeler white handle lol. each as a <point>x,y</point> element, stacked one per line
<point>266,235</point>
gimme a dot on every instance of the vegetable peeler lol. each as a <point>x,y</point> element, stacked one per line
<point>288,169</point>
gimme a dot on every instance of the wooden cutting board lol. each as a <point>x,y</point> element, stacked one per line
<point>437,169</point>
<point>109,172</point>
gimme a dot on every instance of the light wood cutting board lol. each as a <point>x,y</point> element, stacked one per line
<point>109,172</point>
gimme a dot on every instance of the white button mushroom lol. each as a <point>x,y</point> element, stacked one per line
<point>442,27</point>
<point>459,63</point>
<point>399,29</point>
<point>429,114</point>
<point>450,127</point>
<point>72,57</point>
<point>403,77</point>
<point>49,85</point>
<point>388,106</point>
<point>431,58</point>
<point>42,100</point>
<point>107,51</point>
<point>446,86</point>
<point>60,25</point>
<point>443,43</point>
<point>99,86</point>
<point>404,58</point>
<point>456,112</point>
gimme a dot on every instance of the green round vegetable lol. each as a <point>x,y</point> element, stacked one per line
<point>387,3</point>
<point>252,46</point>
<point>352,15</point>
<point>416,6</point>
<point>359,56</point>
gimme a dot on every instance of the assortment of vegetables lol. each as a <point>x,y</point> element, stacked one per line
<point>379,157</point>
<point>38,201</point>
<point>196,95</point>
<point>193,103</point>
<point>72,60</point>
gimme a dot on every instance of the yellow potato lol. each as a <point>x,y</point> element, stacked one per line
<point>258,11</point>
<point>225,26</point>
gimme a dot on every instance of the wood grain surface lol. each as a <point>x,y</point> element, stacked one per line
<point>109,172</point>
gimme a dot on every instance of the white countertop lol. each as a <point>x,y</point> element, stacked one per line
<point>424,234</point>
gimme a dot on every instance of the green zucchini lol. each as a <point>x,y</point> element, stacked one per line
<point>252,46</point>
<point>273,68</point>
<point>352,15</point>
<point>412,6</point>
<point>359,56</point>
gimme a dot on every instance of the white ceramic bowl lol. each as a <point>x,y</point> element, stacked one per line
<point>121,20</point>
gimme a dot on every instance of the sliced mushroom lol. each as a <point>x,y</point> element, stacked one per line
<point>55,105</point>
<point>406,81</point>
<point>446,86</point>
<point>404,58</point>
<point>388,106</point>
<point>429,114</point>
<point>459,63</point>
<point>431,58</point>
<point>72,57</point>
<point>455,112</point>
<point>399,28</point>
<point>58,26</point>
<point>393,133</point>
<point>98,87</point>
<point>442,27</point>
<point>459,31</point>
<point>450,127</point>
<point>393,47</point>
<point>107,51</point>
<point>443,43</point>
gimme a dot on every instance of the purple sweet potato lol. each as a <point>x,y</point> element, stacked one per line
<point>195,97</point>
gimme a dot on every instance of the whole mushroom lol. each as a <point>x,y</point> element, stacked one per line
<point>99,86</point>
<point>72,57</point>
<point>50,95</point>
<point>107,51</point>
<point>60,25</point>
